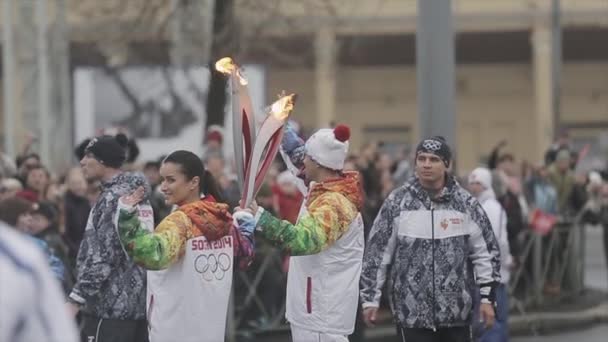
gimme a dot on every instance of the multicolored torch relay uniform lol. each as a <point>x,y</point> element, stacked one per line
<point>190,257</point>
<point>326,244</point>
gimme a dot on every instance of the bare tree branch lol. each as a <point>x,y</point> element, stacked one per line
<point>114,74</point>
<point>284,57</point>
<point>201,94</point>
<point>234,38</point>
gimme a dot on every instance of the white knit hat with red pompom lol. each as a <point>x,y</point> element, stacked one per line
<point>329,147</point>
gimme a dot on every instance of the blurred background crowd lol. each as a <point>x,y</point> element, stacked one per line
<point>53,208</point>
<point>524,94</point>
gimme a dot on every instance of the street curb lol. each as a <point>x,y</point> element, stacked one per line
<point>550,322</point>
<point>534,323</point>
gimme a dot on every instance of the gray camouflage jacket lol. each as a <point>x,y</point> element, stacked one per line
<point>437,250</point>
<point>109,284</point>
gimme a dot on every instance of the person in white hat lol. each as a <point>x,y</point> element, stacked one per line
<point>480,186</point>
<point>326,243</point>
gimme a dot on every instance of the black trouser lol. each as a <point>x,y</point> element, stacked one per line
<point>113,330</point>
<point>455,334</point>
<point>359,334</point>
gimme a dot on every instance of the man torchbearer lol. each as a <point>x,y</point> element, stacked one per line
<point>326,243</point>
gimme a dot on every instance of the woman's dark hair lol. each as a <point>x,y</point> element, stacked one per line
<point>506,157</point>
<point>38,167</point>
<point>13,207</point>
<point>21,159</point>
<point>192,166</point>
<point>152,165</point>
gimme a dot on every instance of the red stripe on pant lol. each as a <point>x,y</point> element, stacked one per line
<point>308,294</point>
<point>150,308</point>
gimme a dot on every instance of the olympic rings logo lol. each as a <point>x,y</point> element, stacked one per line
<point>212,267</point>
<point>432,145</point>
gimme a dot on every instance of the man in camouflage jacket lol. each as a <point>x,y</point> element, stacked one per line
<point>110,288</point>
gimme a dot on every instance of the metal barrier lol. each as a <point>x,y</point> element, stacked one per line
<point>556,259</point>
<point>258,303</point>
<point>258,298</point>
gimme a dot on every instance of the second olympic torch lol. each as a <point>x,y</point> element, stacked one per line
<point>265,148</point>
<point>253,152</point>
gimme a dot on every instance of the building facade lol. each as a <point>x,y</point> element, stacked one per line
<point>353,61</point>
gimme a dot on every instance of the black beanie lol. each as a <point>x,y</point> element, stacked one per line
<point>437,146</point>
<point>79,151</point>
<point>47,210</point>
<point>108,150</point>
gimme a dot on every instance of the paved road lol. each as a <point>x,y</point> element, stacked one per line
<point>596,334</point>
<point>596,276</point>
<point>596,272</point>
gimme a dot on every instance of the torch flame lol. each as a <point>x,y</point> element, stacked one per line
<point>227,67</point>
<point>281,108</point>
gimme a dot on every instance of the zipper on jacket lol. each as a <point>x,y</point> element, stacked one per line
<point>433,260</point>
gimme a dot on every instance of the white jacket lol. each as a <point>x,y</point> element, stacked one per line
<point>32,307</point>
<point>498,219</point>
<point>188,301</point>
<point>323,288</point>
<point>193,292</point>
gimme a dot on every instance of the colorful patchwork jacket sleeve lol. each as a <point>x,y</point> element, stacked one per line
<point>327,219</point>
<point>153,250</point>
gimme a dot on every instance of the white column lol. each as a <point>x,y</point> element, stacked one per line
<point>8,64</point>
<point>325,73</point>
<point>44,109</point>
<point>543,118</point>
<point>25,82</point>
<point>61,118</point>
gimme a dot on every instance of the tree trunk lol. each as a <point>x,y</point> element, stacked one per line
<point>216,96</point>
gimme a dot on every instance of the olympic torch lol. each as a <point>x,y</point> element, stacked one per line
<point>243,117</point>
<point>266,146</point>
<point>253,152</point>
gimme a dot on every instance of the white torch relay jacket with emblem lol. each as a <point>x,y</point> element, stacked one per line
<point>326,246</point>
<point>190,260</point>
<point>440,251</point>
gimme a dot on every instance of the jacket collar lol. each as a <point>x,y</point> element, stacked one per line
<point>113,181</point>
<point>445,195</point>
